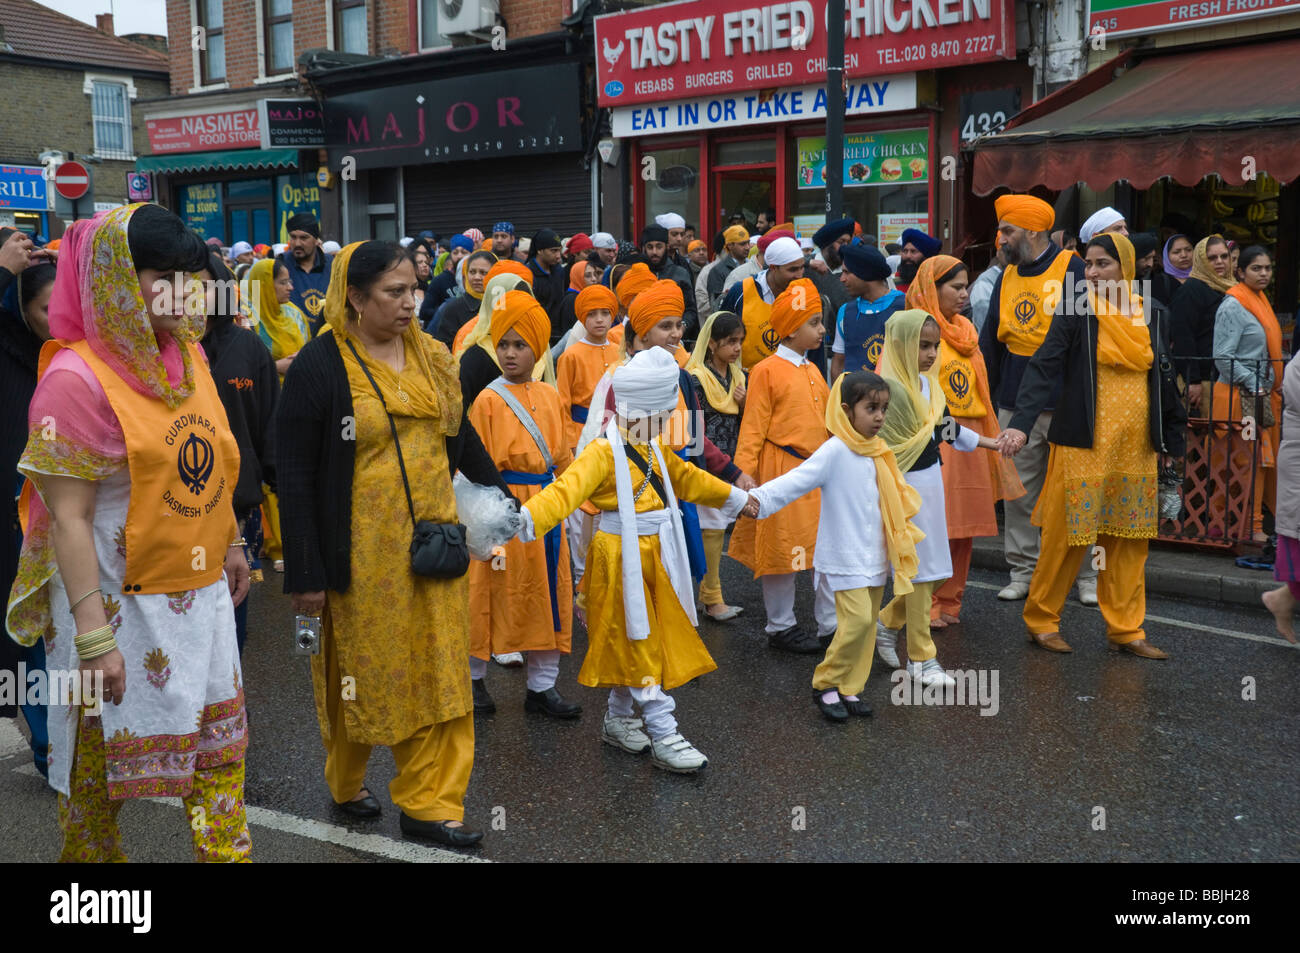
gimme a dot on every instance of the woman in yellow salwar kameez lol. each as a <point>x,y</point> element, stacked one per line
<point>391,670</point>
<point>1120,410</point>
<point>641,616</point>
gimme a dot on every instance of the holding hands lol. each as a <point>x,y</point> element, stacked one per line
<point>1010,442</point>
<point>751,508</point>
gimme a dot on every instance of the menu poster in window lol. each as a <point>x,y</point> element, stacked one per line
<point>200,207</point>
<point>870,158</point>
<point>295,194</point>
<point>806,226</point>
<point>890,226</point>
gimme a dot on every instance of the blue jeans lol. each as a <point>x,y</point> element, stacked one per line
<point>34,657</point>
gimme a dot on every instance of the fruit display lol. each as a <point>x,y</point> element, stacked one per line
<point>1246,214</point>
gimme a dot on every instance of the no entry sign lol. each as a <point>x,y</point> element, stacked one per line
<point>72,180</point>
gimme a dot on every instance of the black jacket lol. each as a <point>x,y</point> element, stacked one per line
<point>549,288</point>
<point>450,317</point>
<point>314,465</point>
<point>1070,349</point>
<point>1194,308</point>
<point>671,271</point>
<point>248,387</point>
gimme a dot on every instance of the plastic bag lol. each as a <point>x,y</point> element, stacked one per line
<point>488,515</point>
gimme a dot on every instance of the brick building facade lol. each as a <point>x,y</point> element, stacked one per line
<point>70,88</point>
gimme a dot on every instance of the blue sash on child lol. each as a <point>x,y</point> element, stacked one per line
<point>694,538</point>
<point>552,538</point>
<point>578,413</point>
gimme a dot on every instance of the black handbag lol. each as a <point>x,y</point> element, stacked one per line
<point>438,550</point>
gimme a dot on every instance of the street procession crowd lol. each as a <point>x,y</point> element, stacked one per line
<point>181,418</point>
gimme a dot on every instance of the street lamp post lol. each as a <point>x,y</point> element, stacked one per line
<point>834,108</point>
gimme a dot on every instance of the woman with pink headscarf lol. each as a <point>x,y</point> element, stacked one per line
<point>131,563</point>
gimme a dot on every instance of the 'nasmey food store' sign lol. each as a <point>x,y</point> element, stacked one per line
<point>698,48</point>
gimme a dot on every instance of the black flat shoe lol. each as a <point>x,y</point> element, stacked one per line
<point>439,831</point>
<point>795,640</point>
<point>552,703</point>
<point>835,711</point>
<point>825,640</point>
<point>858,707</point>
<point>362,807</point>
<point>483,703</point>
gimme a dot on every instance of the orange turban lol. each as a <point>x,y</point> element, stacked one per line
<point>663,299</point>
<point>794,306</point>
<point>522,312</point>
<point>634,281</point>
<point>508,267</point>
<point>592,297</point>
<point>1024,211</point>
<point>784,227</point>
<point>578,275</point>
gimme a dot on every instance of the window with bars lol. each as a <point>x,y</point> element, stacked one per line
<point>110,109</point>
<point>210,18</point>
<point>350,34</point>
<point>277,20</point>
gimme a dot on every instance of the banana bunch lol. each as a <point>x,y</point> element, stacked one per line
<point>1261,213</point>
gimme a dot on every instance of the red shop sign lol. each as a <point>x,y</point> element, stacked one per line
<point>701,47</point>
<point>236,129</point>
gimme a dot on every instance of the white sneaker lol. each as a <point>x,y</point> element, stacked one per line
<point>887,645</point>
<point>509,659</point>
<point>624,731</point>
<point>675,753</point>
<point>930,672</point>
<point>1088,591</point>
<point>1014,591</point>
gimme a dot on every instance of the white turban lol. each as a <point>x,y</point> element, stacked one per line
<point>1098,222</point>
<point>647,384</point>
<point>603,240</point>
<point>406,241</point>
<point>279,249</point>
<point>331,248</point>
<point>782,252</point>
<point>670,220</point>
<point>240,248</point>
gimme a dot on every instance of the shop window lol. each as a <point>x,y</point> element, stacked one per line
<point>209,18</point>
<point>111,113</point>
<point>277,20</point>
<point>350,26</point>
<point>429,35</point>
<point>671,178</point>
<point>748,152</point>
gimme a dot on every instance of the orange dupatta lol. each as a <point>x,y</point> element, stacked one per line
<point>959,334</point>
<point>1257,304</point>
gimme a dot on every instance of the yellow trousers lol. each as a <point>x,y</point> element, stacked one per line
<point>272,545</point>
<point>913,610</point>
<point>847,664</point>
<point>214,809</point>
<point>711,584</point>
<point>433,765</point>
<point>1121,583</point>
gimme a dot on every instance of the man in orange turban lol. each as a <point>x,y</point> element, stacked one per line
<point>524,314</point>
<point>634,281</point>
<point>508,267</point>
<point>662,299</point>
<point>1039,278</point>
<point>794,306</point>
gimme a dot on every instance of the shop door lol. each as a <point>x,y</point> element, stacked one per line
<point>251,224</point>
<point>744,193</point>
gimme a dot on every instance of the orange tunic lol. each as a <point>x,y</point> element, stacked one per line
<point>463,333</point>
<point>786,406</point>
<point>968,491</point>
<point>577,373</point>
<point>510,595</point>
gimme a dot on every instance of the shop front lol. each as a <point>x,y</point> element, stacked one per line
<point>751,136</point>
<point>235,173</point>
<point>24,199</point>
<point>450,141</point>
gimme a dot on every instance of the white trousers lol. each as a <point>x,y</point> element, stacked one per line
<point>543,669</point>
<point>573,526</point>
<point>778,600</point>
<point>657,708</point>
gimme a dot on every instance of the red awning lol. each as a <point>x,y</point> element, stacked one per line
<point>1233,111</point>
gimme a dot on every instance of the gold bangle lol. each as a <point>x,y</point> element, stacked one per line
<point>98,651</point>
<point>95,643</point>
<point>239,542</point>
<point>73,606</point>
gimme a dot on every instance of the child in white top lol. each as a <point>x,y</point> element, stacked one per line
<point>864,533</point>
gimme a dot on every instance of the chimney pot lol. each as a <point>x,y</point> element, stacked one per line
<point>104,23</point>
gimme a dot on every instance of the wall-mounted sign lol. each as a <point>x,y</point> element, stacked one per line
<point>891,225</point>
<point>233,129</point>
<point>883,95</point>
<point>139,186</point>
<point>709,47</point>
<point>870,158</point>
<point>507,113</point>
<point>1122,17</point>
<point>201,209</point>
<point>291,123</point>
<point>987,111</point>
<point>23,188</point>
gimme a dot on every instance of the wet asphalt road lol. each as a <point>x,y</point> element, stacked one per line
<point>1168,757</point>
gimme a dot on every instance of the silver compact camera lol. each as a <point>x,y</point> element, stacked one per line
<point>306,635</point>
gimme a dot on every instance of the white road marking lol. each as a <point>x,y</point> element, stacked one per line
<point>1163,620</point>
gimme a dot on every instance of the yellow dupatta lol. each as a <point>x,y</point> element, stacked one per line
<point>1123,340</point>
<point>898,501</point>
<point>433,394</point>
<point>1203,271</point>
<point>722,399</point>
<point>911,419</point>
<point>494,292</point>
<point>285,334</point>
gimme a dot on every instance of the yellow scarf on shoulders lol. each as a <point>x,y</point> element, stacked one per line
<point>898,501</point>
<point>285,334</point>
<point>910,422</point>
<point>1123,340</point>
<point>722,399</point>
